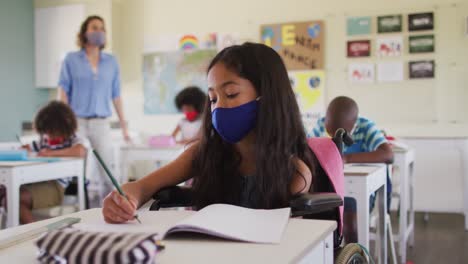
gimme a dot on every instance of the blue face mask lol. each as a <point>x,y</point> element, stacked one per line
<point>96,38</point>
<point>233,124</point>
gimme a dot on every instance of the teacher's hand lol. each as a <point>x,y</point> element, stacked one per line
<point>126,136</point>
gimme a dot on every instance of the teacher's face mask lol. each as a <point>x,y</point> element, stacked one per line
<point>233,124</point>
<point>97,38</point>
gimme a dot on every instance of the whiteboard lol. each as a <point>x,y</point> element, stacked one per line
<point>56,30</point>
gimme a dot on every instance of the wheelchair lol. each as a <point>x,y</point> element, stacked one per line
<point>326,204</point>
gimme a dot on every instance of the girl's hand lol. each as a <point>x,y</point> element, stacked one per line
<point>26,147</point>
<point>44,153</point>
<point>117,209</point>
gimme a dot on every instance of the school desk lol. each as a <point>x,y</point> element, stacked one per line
<point>404,161</point>
<point>129,154</point>
<point>441,174</point>
<point>361,180</point>
<point>15,174</point>
<point>303,241</point>
<point>441,168</point>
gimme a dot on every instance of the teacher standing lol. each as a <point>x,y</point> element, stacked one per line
<point>89,82</point>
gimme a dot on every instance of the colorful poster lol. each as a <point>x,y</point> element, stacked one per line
<point>186,42</point>
<point>421,21</point>
<point>389,24</point>
<point>421,44</point>
<point>421,69</point>
<point>167,73</point>
<point>361,73</point>
<point>389,46</point>
<point>200,41</point>
<point>300,45</point>
<point>358,48</point>
<point>358,26</point>
<point>208,41</point>
<point>390,72</point>
<point>309,89</point>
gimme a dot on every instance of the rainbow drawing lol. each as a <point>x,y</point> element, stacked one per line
<point>188,42</point>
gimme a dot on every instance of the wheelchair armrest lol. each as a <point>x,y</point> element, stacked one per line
<point>312,203</point>
<point>174,196</point>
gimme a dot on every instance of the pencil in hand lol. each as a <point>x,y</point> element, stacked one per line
<point>113,180</point>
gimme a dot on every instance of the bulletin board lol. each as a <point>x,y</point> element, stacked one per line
<point>300,45</point>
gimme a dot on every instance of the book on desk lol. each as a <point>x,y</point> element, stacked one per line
<point>218,220</point>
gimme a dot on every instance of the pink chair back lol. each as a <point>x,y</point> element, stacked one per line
<point>331,162</point>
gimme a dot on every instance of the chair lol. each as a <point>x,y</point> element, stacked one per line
<point>326,204</point>
<point>70,199</point>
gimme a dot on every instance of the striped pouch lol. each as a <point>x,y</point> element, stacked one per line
<point>76,246</point>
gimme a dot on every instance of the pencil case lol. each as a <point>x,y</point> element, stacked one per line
<point>13,155</point>
<point>71,245</point>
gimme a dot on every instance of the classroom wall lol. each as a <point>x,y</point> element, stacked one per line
<point>102,8</point>
<point>441,100</point>
<point>18,97</point>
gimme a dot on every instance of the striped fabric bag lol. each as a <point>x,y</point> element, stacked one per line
<point>76,246</point>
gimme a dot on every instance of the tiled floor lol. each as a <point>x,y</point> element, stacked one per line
<point>441,239</point>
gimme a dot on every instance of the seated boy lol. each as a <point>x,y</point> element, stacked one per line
<point>56,125</point>
<point>370,146</point>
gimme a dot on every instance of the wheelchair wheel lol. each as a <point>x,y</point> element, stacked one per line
<point>351,254</point>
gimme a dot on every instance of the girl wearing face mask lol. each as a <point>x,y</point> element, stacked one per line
<point>252,151</point>
<point>190,101</point>
<point>89,82</point>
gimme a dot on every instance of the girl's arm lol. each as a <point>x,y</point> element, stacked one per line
<point>172,174</point>
<point>383,154</point>
<point>77,150</point>
<point>303,178</point>
<point>116,209</point>
<point>176,131</point>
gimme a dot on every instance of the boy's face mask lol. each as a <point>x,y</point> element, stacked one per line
<point>54,140</point>
<point>191,115</point>
<point>233,124</point>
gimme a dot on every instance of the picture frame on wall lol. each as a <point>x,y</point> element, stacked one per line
<point>424,69</point>
<point>391,46</point>
<point>361,73</point>
<point>358,48</point>
<point>421,43</point>
<point>421,21</point>
<point>358,26</point>
<point>389,24</point>
<point>390,71</point>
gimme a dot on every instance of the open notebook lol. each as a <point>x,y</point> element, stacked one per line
<point>220,220</point>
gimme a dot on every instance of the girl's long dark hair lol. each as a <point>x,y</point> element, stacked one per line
<point>280,136</point>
